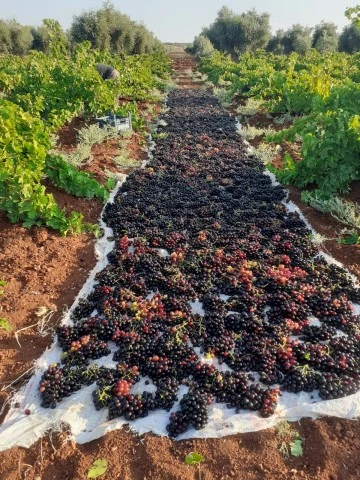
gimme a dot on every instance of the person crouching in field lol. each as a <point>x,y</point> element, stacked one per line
<point>107,72</point>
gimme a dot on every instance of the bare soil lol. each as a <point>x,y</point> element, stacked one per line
<point>330,453</point>
<point>43,269</point>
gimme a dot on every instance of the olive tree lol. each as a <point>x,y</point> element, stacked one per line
<point>297,39</point>
<point>238,33</point>
<point>325,38</point>
<point>109,29</point>
<point>5,37</point>
<point>201,47</point>
<point>349,40</point>
<point>21,38</point>
<point>276,43</point>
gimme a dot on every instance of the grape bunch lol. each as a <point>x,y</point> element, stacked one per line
<point>212,285</point>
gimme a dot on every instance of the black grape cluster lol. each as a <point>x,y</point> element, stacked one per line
<point>202,223</point>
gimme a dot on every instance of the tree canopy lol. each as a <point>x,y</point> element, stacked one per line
<point>349,41</point>
<point>238,33</point>
<point>297,39</point>
<point>201,47</point>
<point>109,29</point>
<point>14,38</point>
<point>105,29</point>
<point>325,38</point>
<point>276,43</point>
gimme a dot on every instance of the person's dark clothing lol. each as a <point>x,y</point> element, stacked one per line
<point>107,71</point>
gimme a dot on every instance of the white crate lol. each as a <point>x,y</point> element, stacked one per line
<point>121,123</point>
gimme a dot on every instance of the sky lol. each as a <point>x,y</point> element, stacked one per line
<point>180,21</point>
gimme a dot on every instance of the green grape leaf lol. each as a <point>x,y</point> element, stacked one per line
<point>194,458</point>
<point>296,448</point>
<point>5,325</point>
<point>353,239</point>
<point>98,468</point>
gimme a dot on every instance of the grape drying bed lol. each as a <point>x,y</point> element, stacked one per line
<point>214,305</point>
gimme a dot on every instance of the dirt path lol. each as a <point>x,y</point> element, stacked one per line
<point>184,66</point>
<point>329,450</point>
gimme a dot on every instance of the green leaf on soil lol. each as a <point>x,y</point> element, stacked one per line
<point>353,239</point>
<point>296,448</point>
<point>98,468</point>
<point>2,284</point>
<point>5,325</point>
<point>194,458</point>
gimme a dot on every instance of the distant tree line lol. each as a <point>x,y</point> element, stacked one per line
<point>105,29</point>
<point>237,33</point>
